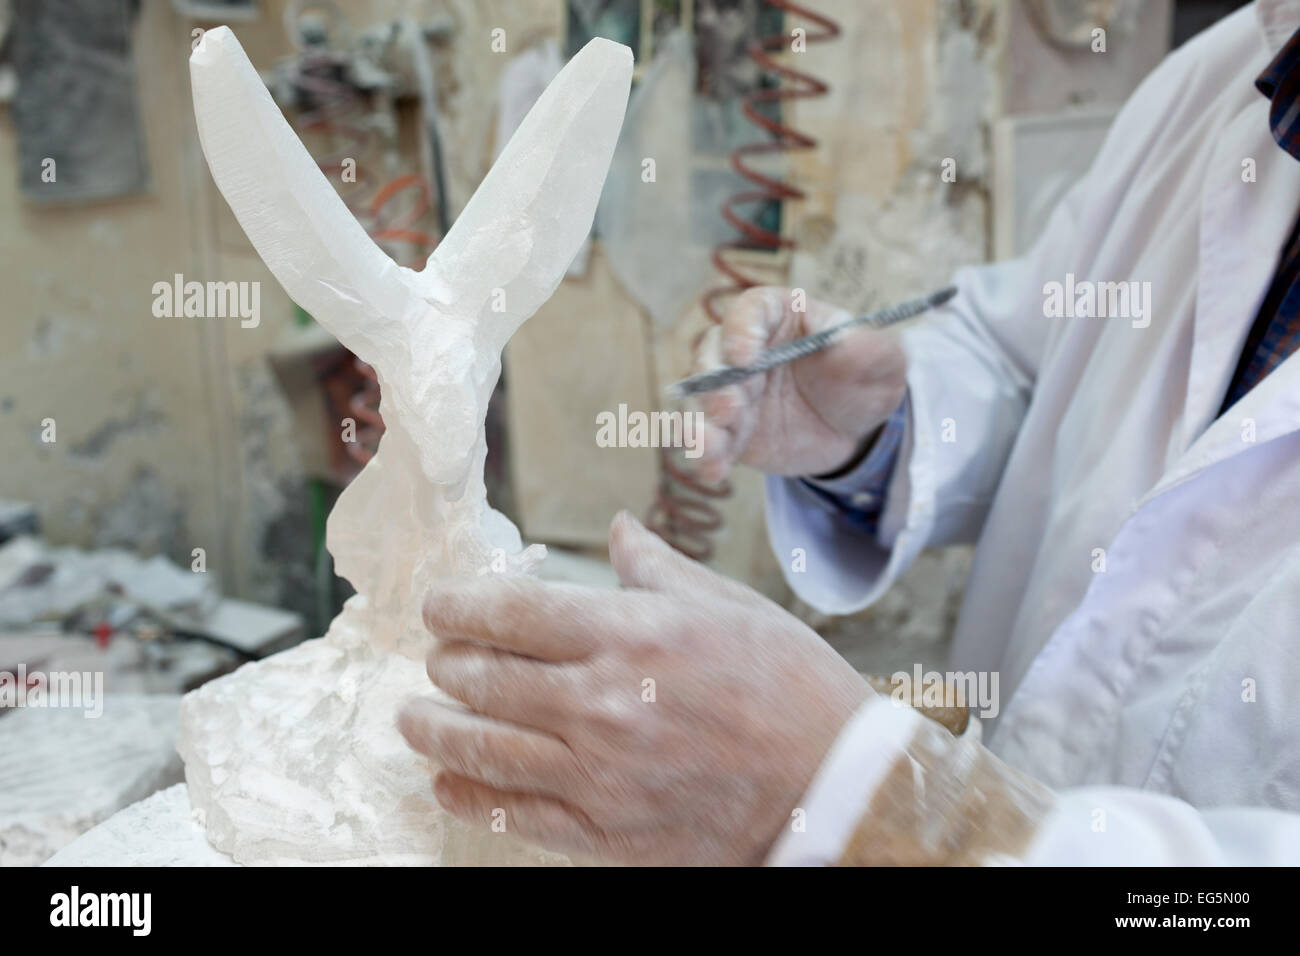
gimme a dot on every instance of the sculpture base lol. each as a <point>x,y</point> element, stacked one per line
<point>297,759</point>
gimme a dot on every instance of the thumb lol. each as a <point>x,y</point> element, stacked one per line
<point>644,560</point>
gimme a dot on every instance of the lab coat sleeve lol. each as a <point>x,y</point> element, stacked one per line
<point>972,368</point>
<point>898,789</point>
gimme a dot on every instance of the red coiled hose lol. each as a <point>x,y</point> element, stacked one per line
<point>683,513</point>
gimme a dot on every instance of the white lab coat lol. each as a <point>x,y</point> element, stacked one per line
<point>1160,697</point>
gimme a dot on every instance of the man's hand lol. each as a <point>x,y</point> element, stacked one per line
<point>675,721</point>
<point>807,417</point>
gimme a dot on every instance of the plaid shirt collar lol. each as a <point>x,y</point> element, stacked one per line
<point>1280,82</point>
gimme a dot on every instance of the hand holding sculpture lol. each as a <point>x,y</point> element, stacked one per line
<point>674,721</point>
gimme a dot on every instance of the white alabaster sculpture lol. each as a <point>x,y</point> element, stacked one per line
<point>297,758</point>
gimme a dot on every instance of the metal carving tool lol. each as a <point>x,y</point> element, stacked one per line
<point>781,354</point>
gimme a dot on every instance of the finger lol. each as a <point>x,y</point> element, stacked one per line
<point>750,323</point>
<point>495,753</point>
<point>543,820</point>
<point>552,622</point>
<point>724,406</point>
<point>708,350</point>
<point>644,560</point>
<point>715,453</point>
<point>503,685</point>
<point>557,825</point>
<point>742,430</point>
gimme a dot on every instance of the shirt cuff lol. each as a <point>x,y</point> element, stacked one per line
<point>866,750</point>
<point>860,495</point>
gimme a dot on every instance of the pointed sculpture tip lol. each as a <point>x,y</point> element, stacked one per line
<point>609,48</point>
<point>210,45</point>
